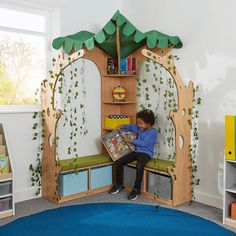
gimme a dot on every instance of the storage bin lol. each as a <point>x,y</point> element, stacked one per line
<point>5,204</point>
<point>5,188</point>
<point>160,183</point>
<point>101,176</point>
<point>71,183</point>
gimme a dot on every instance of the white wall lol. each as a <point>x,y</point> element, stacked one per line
<point>208,57</point>
<point>75,15</point>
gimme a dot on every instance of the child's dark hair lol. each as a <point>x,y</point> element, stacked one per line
<point>147,116</point>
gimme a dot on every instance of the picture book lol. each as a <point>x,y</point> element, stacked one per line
<point>115,144</point>
<point>4,165</point>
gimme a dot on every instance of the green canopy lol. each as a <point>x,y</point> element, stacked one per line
<point>131,38</point>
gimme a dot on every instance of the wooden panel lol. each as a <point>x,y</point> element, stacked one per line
<point>7,176</point>
<point>5,214</point>
<point>1,140</point>
<point>230,222</point>
<point>182,172</point>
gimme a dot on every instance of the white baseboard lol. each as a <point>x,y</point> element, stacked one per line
<point>209,199</point>
<point>25,194</point>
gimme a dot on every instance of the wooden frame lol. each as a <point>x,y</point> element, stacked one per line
<point>181,172</point>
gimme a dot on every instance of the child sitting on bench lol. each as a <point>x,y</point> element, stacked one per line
<point>144,151</point>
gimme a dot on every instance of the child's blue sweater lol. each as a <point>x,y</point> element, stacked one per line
<point>146,139</point>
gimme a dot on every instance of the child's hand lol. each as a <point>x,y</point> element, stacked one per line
<point>119,127</point>
<point>127,139</point>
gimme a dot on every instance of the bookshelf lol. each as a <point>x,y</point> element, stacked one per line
<point>7,206</point>
<point>126,80</point>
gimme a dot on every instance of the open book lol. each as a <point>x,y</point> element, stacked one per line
<point>115,144</point>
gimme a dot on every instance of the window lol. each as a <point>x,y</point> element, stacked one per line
<point>24,36</point>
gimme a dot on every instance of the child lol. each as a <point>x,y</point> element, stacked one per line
<point>144,145</point>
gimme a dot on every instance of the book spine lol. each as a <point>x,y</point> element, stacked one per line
<point>133,66</point>
<point>123,65</point>
<point>129,65</point>
<point>109,65</point>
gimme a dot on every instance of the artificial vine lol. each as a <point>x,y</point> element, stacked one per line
<point>67,91</point>
<point>38,135</point>
<point>72,90</point>
<point>156,90</point>
<point>193,148</point>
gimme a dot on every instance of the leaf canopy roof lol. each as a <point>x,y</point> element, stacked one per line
<point>131,38</point>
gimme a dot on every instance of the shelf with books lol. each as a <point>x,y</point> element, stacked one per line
<point>122,66</point>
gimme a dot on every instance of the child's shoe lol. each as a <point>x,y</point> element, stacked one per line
<point>134,194</point>
<point>116,188</point>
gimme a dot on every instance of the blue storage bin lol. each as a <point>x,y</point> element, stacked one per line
<point>101,176</point>
<point>71,183</point>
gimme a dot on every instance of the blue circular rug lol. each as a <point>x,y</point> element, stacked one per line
<point>113,219</point>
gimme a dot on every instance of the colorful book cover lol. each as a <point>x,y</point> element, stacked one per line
<point>123,66</point>
<point>115,144</point>
<point>4,165</point>
<point>129,61</point>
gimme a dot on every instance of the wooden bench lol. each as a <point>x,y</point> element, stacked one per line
<point>88,165</point>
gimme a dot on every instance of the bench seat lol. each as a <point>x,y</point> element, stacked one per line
<point>84,162</point>
<point>160,165</point>
<point>100,159</point>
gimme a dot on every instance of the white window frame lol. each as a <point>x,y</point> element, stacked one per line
<point>53,29</point>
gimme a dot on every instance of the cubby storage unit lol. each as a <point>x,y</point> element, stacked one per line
<point>7,206</point>
<point>93,175</point>
<point>229,195</point>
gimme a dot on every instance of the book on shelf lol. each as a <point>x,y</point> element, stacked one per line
<point>128,65</point>
<point>115,144</point>
<point>4,165</point>
<point>112,66</point>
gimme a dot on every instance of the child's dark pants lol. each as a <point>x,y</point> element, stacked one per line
<point>142,159</point>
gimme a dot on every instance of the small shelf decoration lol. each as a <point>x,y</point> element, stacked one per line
<point>118,94</point>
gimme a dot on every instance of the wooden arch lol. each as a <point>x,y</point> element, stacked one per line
<point>181,172</point>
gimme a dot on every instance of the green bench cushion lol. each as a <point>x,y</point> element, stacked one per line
<point>161,165</point>
<point>87,161</point>
<point>83,162</point>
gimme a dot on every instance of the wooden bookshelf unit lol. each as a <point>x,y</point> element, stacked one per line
<point>117,40</point>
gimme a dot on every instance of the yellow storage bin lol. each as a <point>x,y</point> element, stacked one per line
<point>111,123</point>
<point>230,140</point>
